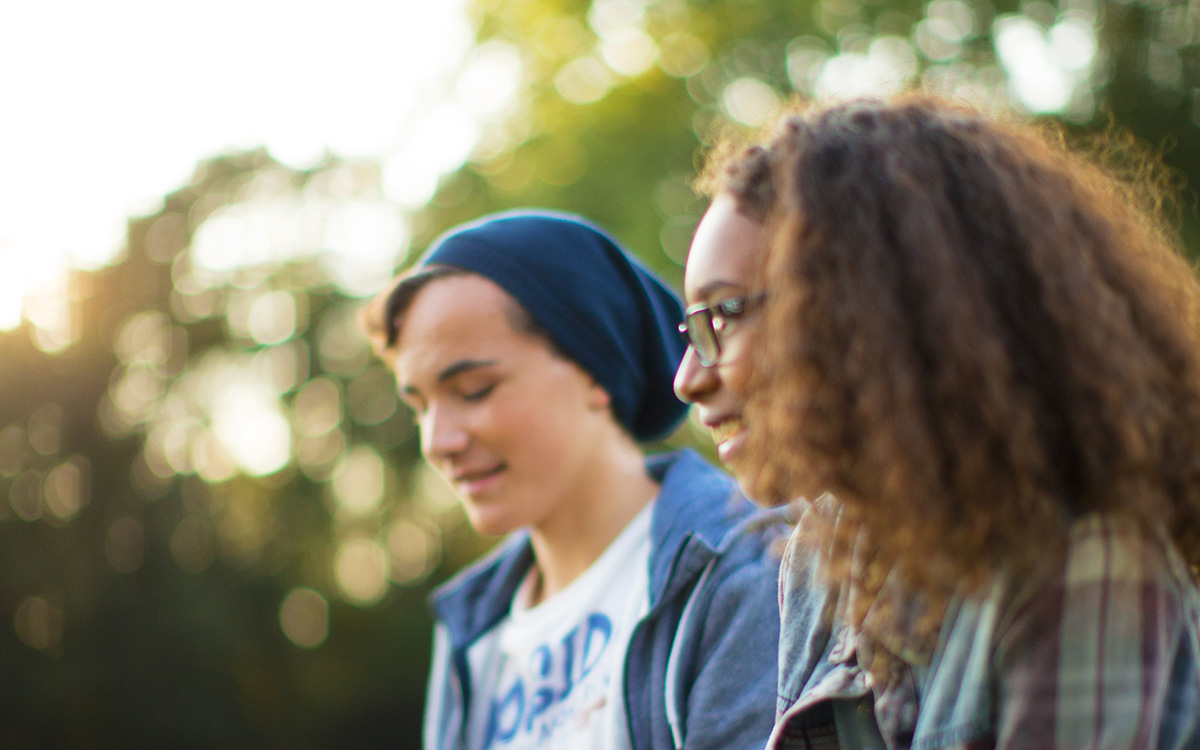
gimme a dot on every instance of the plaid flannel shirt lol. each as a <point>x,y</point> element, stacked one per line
<point>1101,652</point>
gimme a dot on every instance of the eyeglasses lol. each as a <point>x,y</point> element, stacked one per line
<point>704,324</point>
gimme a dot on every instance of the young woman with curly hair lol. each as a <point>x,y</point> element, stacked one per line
<point>982,353</point>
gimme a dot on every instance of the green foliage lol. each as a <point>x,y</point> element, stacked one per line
<point>146,608</point>
<point>625,156</point>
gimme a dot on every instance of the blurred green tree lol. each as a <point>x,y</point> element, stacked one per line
<point>200,527</point>
<point>620,98</point>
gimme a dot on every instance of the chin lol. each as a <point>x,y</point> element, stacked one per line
<point>490,524</point>
<point>743,485</point>
<point>732,463</point>
<point>743,482</point>
<point>485,529</point>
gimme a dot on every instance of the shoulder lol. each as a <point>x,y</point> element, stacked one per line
<point>686,477</point>
<point>480,595</point>
<point>738,591</point>
<point>707,531</point>
<point>698,500</point>
<point>1112,567</point>
<point>1120,611</point>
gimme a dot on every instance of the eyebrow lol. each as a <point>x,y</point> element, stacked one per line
<point>705,292</point>
<point>461,366</point>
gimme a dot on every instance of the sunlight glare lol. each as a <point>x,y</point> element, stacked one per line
<point>210,459</point>
<point>271,318</point>
<point>249,423</point>
<point>415,551</point>
<point>342,344</point>
<point>584,80</point>
<point>67,488</point>
<point>365,241</point>
<point>438,143</point>
<point>99,129</point>
<point>317,407</point>
<point>358,481</point>
<point>1035,77</point>
<point>12,303</point>
<point>682,55</point>
<point>361,569</point>
<point>490,79</point>
<point>318,455</point>
<point>629,52</point>
<point>749,100</point>
<point>304,617</point>
<point>1073,42</point>
<point>609,17</point>
<point>887,67</point>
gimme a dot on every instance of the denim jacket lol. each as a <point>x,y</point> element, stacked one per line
<point>1102,650</point>
<point>700,671</point>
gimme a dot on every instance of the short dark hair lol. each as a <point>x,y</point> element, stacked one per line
<point>383,317</point>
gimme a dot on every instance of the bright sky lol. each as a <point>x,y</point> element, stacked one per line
<point>108,106</point>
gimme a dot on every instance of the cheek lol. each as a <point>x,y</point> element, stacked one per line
<point>500,422</point>
<point>521,424</point>
<point>737,366</point>
<point>735,376</point>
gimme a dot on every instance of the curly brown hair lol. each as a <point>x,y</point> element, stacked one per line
<point>975,336</point>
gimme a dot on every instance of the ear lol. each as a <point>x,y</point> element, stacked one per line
<point>597,397</point>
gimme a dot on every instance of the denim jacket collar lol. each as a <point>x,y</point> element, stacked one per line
<point>691,522</point>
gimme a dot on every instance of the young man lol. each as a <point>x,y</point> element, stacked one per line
<point>634,604</point>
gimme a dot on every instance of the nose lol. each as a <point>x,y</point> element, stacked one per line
<point>694,382</point>
<point>443,434</point>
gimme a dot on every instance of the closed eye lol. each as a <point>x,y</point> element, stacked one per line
<point>479,394</point>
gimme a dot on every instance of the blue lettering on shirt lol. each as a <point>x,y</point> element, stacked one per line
<point>554,671</point>
<point>505,717</point>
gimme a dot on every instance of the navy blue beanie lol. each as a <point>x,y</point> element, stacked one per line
<point>599,305</point>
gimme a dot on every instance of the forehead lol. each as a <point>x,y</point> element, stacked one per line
<point>728,250</point>
<point>456,318</point>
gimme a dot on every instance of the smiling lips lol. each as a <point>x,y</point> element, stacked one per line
<point>470,480</point>
<point>726,429</point>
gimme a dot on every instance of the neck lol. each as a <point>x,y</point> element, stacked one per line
<point>611,496</point>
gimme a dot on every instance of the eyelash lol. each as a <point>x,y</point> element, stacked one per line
<point>729,310</point>
<point>418,409</point>
<point>480,394</point>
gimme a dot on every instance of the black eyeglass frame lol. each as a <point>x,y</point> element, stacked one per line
<point>704,322</point>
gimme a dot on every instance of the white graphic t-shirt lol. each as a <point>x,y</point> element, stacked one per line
<point>550,675</point>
